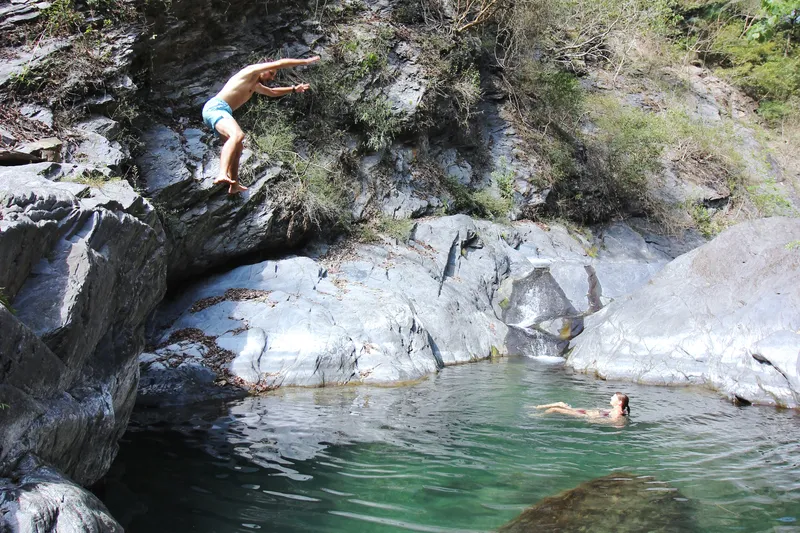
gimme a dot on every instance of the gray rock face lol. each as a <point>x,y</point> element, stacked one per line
<point>40,499</point>
<point>511,158</point>
<point>384,314</point>
<point>459,291</point>
<point>205,226</point>
<point>98,150</point>
<point>593,270</point>
<point>726,315</point>
<point>535,311</point>
<point>82,268</point>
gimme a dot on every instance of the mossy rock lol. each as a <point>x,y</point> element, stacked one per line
<point>621,502</point>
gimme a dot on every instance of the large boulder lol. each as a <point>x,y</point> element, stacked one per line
<point>726,315</point>
<point>385,313</point>
<point>81,269</point>
<point>574,276</point>
<point>620,502</point>
<point>597,267</point>
<point>458,291</point>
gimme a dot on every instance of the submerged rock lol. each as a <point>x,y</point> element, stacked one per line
<point>622,503</point>
<point>726,315</point>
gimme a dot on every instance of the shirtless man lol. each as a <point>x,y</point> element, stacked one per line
<point>218,112</point>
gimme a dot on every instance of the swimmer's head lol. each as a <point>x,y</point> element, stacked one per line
<point>621,400</point>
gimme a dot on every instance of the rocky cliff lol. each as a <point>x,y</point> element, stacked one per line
<point>82,269</point>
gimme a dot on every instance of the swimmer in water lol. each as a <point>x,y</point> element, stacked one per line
<point>619,409</point>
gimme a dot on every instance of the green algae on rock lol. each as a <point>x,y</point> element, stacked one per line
<point>620,502</point>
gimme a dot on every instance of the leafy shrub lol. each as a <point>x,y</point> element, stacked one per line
<point>269,127</point>
<point>752,44</point>
<point>706,222</point>
<point>381,125</point>
<point>625,147</point>
<point>764,69</point>
<point>629,146</point>
<point>319,190</point>
<point>489,205</point>
<point>769,200</point>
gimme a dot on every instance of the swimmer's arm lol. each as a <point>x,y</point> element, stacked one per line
<point>276,92</point>
<point>260,68</point>
<point>565,411</point>
<point>557,404</point>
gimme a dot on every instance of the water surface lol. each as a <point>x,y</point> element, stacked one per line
<point>460,451</point>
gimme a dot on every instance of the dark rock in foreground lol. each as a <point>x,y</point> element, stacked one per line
<point>41,499</point>
<point>82,267</point>
<point>726,315</point>
<point>622,503</point>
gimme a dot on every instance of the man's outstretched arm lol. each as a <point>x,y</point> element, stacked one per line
<point>280,91</point>
<point>282,63</point>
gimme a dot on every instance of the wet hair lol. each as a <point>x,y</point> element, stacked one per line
<point>626,410</point>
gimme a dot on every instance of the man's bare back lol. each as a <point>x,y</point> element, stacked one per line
<point>217,112</point>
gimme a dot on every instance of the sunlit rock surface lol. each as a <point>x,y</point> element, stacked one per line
<point>622,503</point>
<point>726,315</point>
<point>381,314</point>
<point>459,291</point>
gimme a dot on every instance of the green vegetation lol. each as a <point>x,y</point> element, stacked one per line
<point>628,145</point>
<point>708,225</point>
<point>381,125</point>
<point>269,128</point>
<point>488,205</point>
<point>769,200</point>
<point>342,93</point>
<point>754,44</point>
<point>62,18</point>
<point>483,203</point>
<point>396,228</point>
<point>93,178</point>
<point>452,67</point>
<point>5,302</point>
<point>319,190</point>
<point>794,245</point>
<point>370,231</point>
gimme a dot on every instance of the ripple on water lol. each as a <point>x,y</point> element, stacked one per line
<point>464,451</point>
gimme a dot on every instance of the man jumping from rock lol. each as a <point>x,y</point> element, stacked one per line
<point>218,112</point>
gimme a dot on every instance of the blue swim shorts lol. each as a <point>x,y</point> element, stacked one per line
<point>215,110</point>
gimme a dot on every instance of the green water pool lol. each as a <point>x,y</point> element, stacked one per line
<point>460,451</point>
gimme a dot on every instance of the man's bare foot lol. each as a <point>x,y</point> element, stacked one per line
<point>236,188</point>
<point>223,179</point>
